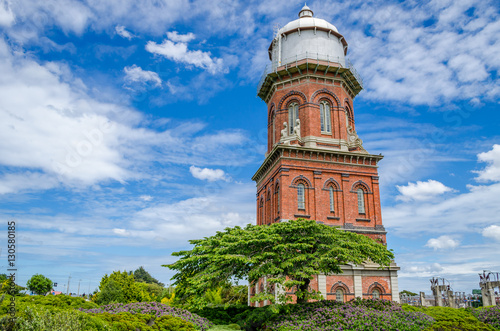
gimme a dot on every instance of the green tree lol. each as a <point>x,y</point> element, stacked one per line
<point>39,284</point>
<point>289,254</point>
<point>141,275</point>
<point>408,293</point>
<point>120,287</point>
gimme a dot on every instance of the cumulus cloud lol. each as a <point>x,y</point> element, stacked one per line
<point>121,31</point>
<point>135,74</point>
<point>94,140</point>
<point>492,172</point>
<point>463,212</point>
<point>422,190</point>
<point>146,197</point>
<point>177,51</point>
<point>210,175</point>
<point>6,14</point>
<point>424,53</point>
<point>492,231</point>
<point>183,38</point>
<point>443,242</point>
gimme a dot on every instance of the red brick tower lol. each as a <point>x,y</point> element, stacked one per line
<point>316,166</point>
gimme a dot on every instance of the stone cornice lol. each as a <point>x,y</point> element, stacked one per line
<point>314,154</point>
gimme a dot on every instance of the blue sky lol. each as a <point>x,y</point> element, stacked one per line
<point>127,128</point>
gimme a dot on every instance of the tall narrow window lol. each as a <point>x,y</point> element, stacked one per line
<point>375,294</point>
<point>339,295</point>
<point>361,201</point>
<point>262,210</point>
<point>332,199</point>
<point>301,198</point>
<point>293,115</point>
<point>277,201</point>
<point>324,108</point>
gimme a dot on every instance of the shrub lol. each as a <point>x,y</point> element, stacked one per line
<point>51,302</point>
<point>128,321</point>
<point>42,319</point>
<point>223,315</point>
<point>356,315</point>
<point>451,319</point>
<point>153,309</point>
<point>489,315</point>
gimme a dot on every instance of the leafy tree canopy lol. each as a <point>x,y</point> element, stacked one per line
<point>39,284</point>
<point>120,287</point>
<point>408,293</point>
<point>289,254</point>
<point>141,275</point>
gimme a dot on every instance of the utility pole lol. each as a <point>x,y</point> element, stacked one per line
<point>67,290</point>
<point>78,294</point>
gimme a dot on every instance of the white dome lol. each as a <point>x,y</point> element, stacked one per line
<point>307,37</point>
<point>306,22</point>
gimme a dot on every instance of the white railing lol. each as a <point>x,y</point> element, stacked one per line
<point>289,62</point>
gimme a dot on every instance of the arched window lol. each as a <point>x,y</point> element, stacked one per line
<point>261,206</point>
<point>301,197</point>
<point>339,295</point>
<point>332,199</point>
<point>324,109</point>
<point>277,202</point>
<point>361,201</point>
<point>376,294</point>
<point>293,115</point>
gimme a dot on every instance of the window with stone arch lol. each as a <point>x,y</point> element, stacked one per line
<point>268,207</point>
<point>277,198</point>
<point>293,115</point>
<point>331,193</point>
<point>349,119</point>
<point>326,119</point>
<point>361,200</point>
<point>261,207</point>
<point>339,295</point>
<point>301,196</point>
<point>376,294</point>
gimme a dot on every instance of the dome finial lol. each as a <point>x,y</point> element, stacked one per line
<point>305,11</point>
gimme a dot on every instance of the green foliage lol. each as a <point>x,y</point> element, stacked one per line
<point>411,294</point>
<point>40,318</point>
<point>51,302</point>
<point>229,327</point>
<point>39,284</point>
<point>223,315</point>
<point>288,254</point>
<point>7,288</point>
<point>489,315</point>
<point>120,287</point>
<point>141,275</point>
<point>448,319</point>
<point>133,322</point>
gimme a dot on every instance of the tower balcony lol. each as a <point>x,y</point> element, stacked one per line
<point>312,64</point>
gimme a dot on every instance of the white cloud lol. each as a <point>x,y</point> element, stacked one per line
<point>178,52</point>
<point>423,53</point>
<point>61,135</point>
<point>135,74</point>
<point>492,231</point>
<point>422,190</point>
<point>121,31</point>
<point>183,38</point>
<point>121,232</point>
<point>6,14</point>
<point>210,175</point>
<point>492,171</point>
<point>443,242</point>
<point>146,197</point>
<point>464,212</point>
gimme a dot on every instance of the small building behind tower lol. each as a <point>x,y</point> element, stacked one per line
<point>316,166</point>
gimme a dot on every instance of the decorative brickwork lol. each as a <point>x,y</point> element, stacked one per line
<point>324,175</point>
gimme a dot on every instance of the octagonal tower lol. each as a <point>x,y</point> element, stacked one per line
<point>315,165</point>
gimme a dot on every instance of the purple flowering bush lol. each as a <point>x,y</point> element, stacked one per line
<point>155,309</point>
<point>490,316</point>
<point>360,315</point>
